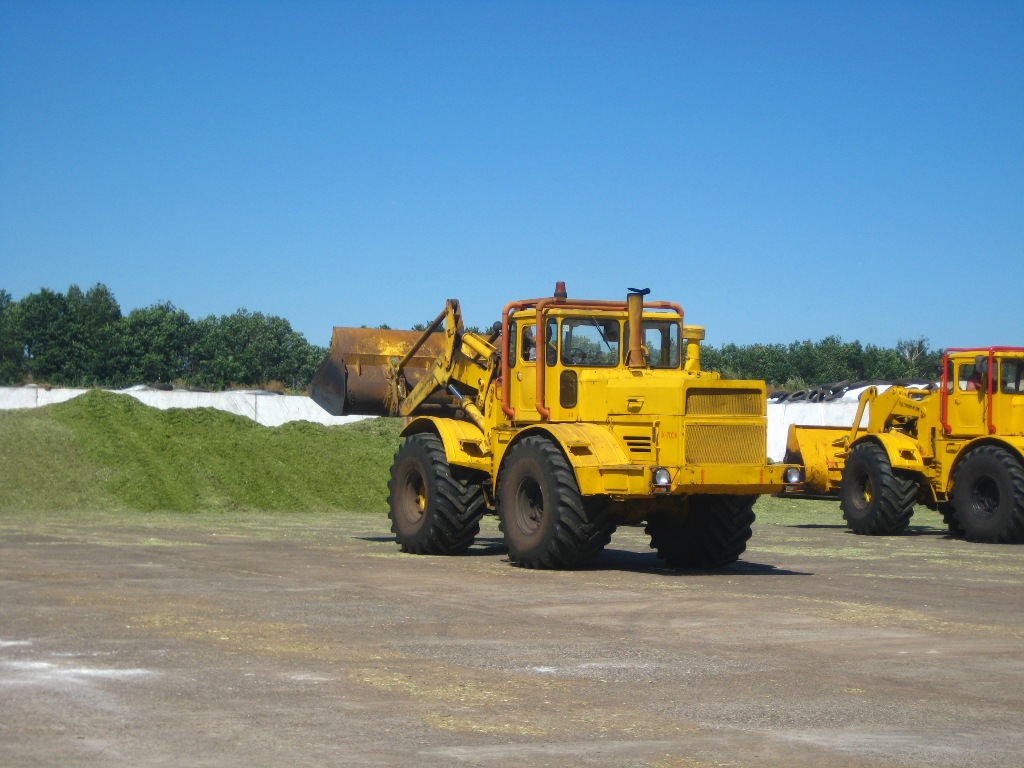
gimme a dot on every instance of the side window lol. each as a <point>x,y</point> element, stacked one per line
<point>969,378</point>
<point>529,345</point>
<point>550,341</point>
<point>661,340</point>
<point>513,335</point>
<point>1011,376</point>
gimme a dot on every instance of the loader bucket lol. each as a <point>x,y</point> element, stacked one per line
<point>352,379</point>
<point>813,446</point>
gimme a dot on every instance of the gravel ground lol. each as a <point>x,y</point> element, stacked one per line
<point>309,640</point>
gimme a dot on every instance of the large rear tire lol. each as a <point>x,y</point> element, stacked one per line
<point>945,509</point>
<point>988,495</point>
<point>705,532</point>
<point>545,520</point>
<point>875,499</point>
<point>435,509</point>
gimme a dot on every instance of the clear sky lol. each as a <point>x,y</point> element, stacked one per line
<point>784,170</point>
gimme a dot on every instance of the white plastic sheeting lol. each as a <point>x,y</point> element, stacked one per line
<point>266,408</point>
<point>273,410</point>
<point>837,413</point>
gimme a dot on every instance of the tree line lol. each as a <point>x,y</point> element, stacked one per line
<point>82,339</point>
<point>831,360</point>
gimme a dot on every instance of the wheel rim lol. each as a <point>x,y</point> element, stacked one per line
<point>864,491</point>
<point>529,511</point>
<point>985,497</point>
<point>414,497</point>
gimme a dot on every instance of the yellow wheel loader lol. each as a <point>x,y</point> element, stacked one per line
<point>571,417</point>
<point>958,450</point>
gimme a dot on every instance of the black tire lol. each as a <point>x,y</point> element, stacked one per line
<point>945,509</point>
<point>435,509</point>
<point>705,532</point>
<point>875,499</point>
<point>545,520</point>
<point>988,495</point>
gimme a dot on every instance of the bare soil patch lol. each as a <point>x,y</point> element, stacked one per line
<point>302,639</point>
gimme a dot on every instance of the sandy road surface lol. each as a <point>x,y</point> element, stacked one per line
<point>297,640</point>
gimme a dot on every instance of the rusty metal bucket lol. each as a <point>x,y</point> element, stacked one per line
<point>352,379</point>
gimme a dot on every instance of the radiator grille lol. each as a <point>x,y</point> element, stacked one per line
<point>719,402</point>
<point>726,444</point>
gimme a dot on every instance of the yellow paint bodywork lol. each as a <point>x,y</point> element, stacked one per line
<point>922,435</point>
<point>634,402</point>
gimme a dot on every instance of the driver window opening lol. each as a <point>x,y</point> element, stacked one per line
<point>969,378</point>
<point>661,342</point>
<point>587,341</point>
<point>1011,376</point>
<point>529,344</point>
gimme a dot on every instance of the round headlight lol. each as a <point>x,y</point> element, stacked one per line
<point>791,475</point>
<point>661,476</point>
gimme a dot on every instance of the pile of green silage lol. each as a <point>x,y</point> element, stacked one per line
<point>108,451</point>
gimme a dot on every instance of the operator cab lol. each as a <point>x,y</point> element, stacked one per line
<point>983,391</point>
<point>596,341</point>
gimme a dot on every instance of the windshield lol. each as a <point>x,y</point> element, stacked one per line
<point>587,341</point>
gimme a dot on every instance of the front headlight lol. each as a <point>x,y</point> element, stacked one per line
<point>661,477</point>
<point>791,475</point>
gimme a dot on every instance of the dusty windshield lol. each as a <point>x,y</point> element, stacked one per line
<point>589,341</point>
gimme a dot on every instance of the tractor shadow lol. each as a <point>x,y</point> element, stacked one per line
<point>611,559</point>
<point>911,530</point>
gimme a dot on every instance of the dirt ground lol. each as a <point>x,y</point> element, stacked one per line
<point>301,640</point>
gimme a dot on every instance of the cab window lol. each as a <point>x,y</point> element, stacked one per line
<point>587,341</point>
<point>513,335</point>
<point>528,347</point>
<point>1011,376</point>
<point>550,340</point>
<point>661,340</point>
<point>969,378</point>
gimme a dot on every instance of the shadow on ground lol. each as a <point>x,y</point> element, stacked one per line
<point>611,559</point>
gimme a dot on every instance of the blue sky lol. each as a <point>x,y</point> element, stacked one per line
<point>784,170</point>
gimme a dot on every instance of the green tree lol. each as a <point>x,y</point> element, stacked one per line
<point>918,360</point>
<point>93,322</point>
<point>152,345</point>
<point>12,355</point>
<point>250,348</point>
<point>46,332</point>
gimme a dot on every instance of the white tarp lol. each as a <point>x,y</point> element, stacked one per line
<point>838,413</point>
<point>266,408</point>
<point>273,410</point>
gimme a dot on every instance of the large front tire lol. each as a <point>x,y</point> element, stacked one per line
<point>545,520</point>
<point>988,495</point>
<point>435,509</point>
<point>875,499</point>
<point>705,532</point>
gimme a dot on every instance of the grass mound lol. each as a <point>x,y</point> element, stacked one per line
<point>102,451</point>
